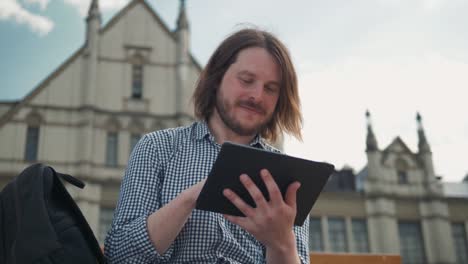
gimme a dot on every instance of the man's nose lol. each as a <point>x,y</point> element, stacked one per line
<point>257,92</point>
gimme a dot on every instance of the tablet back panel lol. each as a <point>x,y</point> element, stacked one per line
<point>234,160</point>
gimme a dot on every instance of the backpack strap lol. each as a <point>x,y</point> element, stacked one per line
<point>70,179</point>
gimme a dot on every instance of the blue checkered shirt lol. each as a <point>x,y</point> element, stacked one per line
<point>163,164</point>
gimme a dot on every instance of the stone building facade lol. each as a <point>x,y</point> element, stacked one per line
<point>132,76</point>
<point>396,204</point>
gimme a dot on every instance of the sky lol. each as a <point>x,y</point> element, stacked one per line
<point>392,57</point>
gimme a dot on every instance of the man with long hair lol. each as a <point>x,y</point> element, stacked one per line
<point>247,93</point>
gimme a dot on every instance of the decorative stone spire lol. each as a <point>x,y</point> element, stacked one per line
<point>182,21</point>
<point>93,25</point>
<point>182,34</point>
<point>93,11</point>
<point>423,145</point>
<point>371,141</point>
<point>90,77</point>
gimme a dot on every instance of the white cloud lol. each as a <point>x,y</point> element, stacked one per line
<point>42,3</point>
<point>82,6</point>
<point>12,10</point>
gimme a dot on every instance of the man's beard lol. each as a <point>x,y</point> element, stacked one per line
<point>225,113</point>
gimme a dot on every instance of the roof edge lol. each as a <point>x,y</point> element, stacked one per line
<point>28,97</point>
<point>155,15</point>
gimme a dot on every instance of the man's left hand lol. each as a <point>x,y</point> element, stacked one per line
<point>270,222</point>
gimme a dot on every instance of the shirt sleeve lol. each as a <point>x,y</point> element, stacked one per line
<point>302,241</point>
<point>128,240</point>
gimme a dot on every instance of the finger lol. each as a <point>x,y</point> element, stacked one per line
<point>253,190</point>
<point>238,202</point>
<point>272,187</point>
<point>238,220</point>
<point>200,184</point>
<point>291,194</point>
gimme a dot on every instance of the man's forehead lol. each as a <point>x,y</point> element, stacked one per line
<point>253,53</point>
<point>246,72</point>
<point>252,62</point>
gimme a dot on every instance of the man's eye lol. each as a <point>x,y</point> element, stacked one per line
<point>246,81</point>
<point>271,89</point>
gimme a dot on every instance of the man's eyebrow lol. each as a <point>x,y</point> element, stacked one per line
<point>246,72</point>
<point>251,74</point>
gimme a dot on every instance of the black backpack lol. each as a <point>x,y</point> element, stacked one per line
<point>40,222</point>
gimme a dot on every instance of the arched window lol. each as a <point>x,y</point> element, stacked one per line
<point>315,235</point>
<point>137,76</point>
<point>136,128</point>
<point>106,214</point>
<point>112,143</point>
<point>402,171</point>
<point>32,137</point>
<point>134,138</point>
<point>411,242</point>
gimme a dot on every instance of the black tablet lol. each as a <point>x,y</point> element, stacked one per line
<point>234,160</point>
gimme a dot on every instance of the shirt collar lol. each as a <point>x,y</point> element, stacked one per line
<point>202,131</point>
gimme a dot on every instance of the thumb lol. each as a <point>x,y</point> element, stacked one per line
<point>291,194</point>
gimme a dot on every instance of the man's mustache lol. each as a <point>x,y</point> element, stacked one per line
<point>252,105</point>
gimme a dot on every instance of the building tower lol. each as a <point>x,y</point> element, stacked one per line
<point>93,25</point>
<point>433,210</point>
<point>182,34</point>
<point>383,230</point>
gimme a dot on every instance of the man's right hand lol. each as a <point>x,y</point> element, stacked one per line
<point>162,232</point>
<point>193,192</point>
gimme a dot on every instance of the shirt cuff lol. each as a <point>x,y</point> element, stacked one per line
<point>142,241</point>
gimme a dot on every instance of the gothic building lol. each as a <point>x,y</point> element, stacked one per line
<point>131,76</point>
<point>396,204</point>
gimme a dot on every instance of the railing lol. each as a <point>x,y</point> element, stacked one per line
<point>345,258</point>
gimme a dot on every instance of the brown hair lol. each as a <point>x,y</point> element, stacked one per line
<point>287,116</point>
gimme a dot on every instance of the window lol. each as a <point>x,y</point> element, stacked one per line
<point>411,243</point>
<point>137,81</point>
<point>32,143</point>
<point>361,242</point>
<point>337,234</point>
<point>134,138</point>
<point>315,235</point>
<point>402,177</point>
<point>105,221</point>
<point>111,149</point>
<point>459,238</point>
<point>401,166</point>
